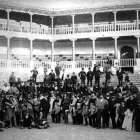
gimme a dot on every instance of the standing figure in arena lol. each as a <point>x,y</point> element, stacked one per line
<point>120,76</point>
<point>57,70</point>
<point>108,75</point>
<point>97,74</point>
<point>45,71</point>
<point>12,79</point>
<point>52,77</point>
<point>101,105</point>
<point>89,77</point>
<point>82,75</point>
<point>73,79</point>
<point>35,73</point>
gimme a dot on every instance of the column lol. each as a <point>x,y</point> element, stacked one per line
<point>93,22</point>
<point>138,46</point>
<point>31,48</point>
<point>93,47</point>
<point>8,18</point>
<point>73,48</point>
<point>8,46</point>
<point>73,24</point>
<point>52,51</point>
<point>137,20</point>
<point>116,46</point>
<point>52,19</point>
<point>115,20</point>
<point>31,20</point>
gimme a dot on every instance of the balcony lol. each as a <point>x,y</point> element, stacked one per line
<point>67,29</point>
<point>26,64</point>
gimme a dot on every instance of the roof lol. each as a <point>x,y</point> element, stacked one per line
<point>57,5</point>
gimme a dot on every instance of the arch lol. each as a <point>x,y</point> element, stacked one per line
<point>127,52</point>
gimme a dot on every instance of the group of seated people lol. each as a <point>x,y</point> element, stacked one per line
<point>28,104</point>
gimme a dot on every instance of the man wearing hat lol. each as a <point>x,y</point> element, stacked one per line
<point>89,77</point>
<point>44,104</point>
<point>35,73</point>
<point>112,109</point>
<point>52,77</point>
<point>82,75</point>
<point>27,120</point>
<point>57,108</point>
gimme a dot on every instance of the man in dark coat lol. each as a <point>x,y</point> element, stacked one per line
<point>35,73</point>
<point>73,79</point>
<point>82,75</point>
<point>97,74</point>
<point>120,76</point>
<point>89,77</point>
<point>44,105</point>
<point>57,70</point>
<point>52,77</point>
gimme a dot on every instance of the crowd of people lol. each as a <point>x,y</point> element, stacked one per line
<point>28,103</point>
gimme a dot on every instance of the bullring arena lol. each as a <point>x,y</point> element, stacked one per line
<point>74,34</point>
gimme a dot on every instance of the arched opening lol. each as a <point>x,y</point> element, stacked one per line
<point>127,52</point>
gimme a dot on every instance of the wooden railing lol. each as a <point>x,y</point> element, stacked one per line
<point>81,28</point>
<point>20,65</point>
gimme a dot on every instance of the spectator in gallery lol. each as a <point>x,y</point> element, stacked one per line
<point>35,73</point>
<point>12,78</point>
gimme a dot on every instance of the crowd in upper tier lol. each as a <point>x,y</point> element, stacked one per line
<point>99,105</point>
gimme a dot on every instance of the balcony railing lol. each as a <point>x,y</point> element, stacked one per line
<point>79,28</point>
<point>25,64</point>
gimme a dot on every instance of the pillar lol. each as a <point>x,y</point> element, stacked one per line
<point>137,20</point>
<point>8,18</point>
<point>73,49</point>
<point>93,48</point>
<point>115,20</point>
<point>31,48</point>
<point>31,20</point>
<point>8,46</point>
<point>52,50</point>
<point>52,22</point>
<point>73,24</point>
<point>138,46</point>
<point>93,22</point>
<point>116,46</point>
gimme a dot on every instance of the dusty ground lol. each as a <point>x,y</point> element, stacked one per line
<point>68,132</point>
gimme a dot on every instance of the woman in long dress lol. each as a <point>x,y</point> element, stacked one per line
<point>127,123</point>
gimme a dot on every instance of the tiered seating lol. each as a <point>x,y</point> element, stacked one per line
<point>19,57</point>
